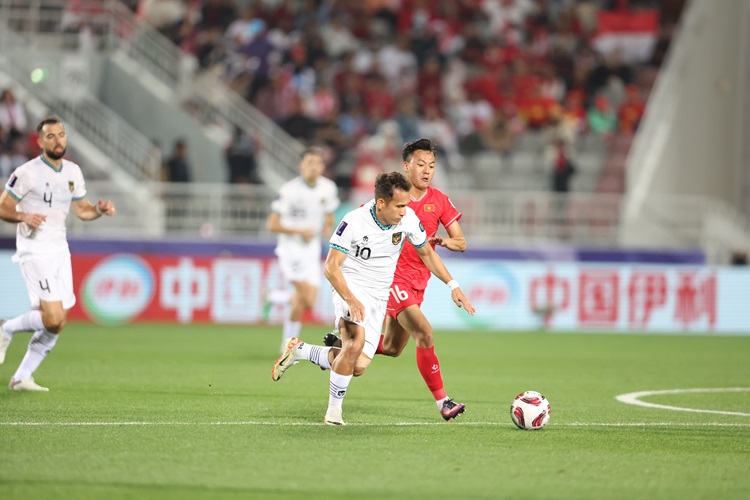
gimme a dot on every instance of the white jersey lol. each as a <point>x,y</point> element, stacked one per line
<point>372,249</point>
<point>301,206</point>
<point>39,187</point>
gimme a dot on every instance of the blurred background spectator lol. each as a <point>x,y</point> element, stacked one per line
<point>240,157</point>
<point>17,142</point>
<point>12,116</point>
<point>178,167</point>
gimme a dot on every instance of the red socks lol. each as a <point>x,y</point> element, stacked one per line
<point>429,367</point>
<point>379,350</point>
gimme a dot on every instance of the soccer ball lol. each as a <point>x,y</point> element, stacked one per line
<point>530,410</point>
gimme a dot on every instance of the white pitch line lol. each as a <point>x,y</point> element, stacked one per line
<point>633,398</point>
<point>367,424</point>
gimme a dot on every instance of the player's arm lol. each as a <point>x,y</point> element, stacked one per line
<point>437,267</point>
<point>455,241</point>
<point>8,212</point>
<point>273,224</point>
<point>333,273</point>
<point>85,210</point>
<point>328,222</point>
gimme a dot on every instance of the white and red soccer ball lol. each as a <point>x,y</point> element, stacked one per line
<point>530,410</point>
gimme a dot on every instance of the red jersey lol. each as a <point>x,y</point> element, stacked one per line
<point>433,208</point>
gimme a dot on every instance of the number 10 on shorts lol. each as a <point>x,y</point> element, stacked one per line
<point>398,294</point>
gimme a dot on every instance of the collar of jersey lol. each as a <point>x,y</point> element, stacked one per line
<point>51,165</point>
<point>421,197</point>
<point>375,218</point>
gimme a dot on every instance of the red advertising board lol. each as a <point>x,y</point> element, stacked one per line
<point>122,288</point>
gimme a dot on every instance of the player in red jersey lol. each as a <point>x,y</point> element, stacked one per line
<point>404,316</point>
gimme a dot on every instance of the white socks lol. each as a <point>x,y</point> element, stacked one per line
<point>291,328</point>
<point>40,345</point>
<point>27,322</point>
<point>315,354</point>
<point>337,389</point>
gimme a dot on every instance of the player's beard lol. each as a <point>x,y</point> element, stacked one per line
<point>55,156</point>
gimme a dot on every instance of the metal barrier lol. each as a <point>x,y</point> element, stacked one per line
<point>221,210</point>
<point>111,26</point>
<point>52,79</point>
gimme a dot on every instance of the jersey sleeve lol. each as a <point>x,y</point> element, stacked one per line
<point>414,229</point>
<point>332,200</point>
<point>19,183</point>
<point>343,236</point>
<point>79,191</point>
<point>280,205</point>
<point>448,213</point>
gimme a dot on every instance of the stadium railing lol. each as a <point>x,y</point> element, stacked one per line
<point>49,23</point>
<point>214,211</point>
<point>225,210</point>
<point>58,85</point>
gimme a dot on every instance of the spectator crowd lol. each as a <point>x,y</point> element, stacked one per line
<point>361,78</point>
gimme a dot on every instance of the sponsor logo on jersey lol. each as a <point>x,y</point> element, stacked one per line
<point>421,227</point>
<point>429,207</point>
<point>341,228</point>
<point>365,239</point>
<point>71,186</point>
<point>12,181</point>
<point>396,238</point>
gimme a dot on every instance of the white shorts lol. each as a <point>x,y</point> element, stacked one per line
<point>49,278</point>
<point>374,317</point>
<point>302,266</point>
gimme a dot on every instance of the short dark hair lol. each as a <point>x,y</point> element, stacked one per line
<point>50,120</point>
<point>418,145</point>
<point>312,151</point>
<point>386,183</point>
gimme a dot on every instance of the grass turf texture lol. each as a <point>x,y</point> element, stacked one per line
<point>193,413</point>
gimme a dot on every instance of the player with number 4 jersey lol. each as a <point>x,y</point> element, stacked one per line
<point>37,198</point>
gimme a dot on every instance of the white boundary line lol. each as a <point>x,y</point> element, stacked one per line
<point>366,424</point>
<point>633,398</point>
<point>630,398</point>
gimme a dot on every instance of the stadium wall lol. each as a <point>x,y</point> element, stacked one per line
<point>692,137</point>
<point>224,282</point>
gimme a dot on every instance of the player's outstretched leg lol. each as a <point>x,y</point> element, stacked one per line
<point>286,359</point>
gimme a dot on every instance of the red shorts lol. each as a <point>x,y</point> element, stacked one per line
<point>402,296</point>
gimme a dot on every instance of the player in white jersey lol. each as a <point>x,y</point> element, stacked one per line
<point>301,213</point>
<point>360,265</point>
<point>38,197</point>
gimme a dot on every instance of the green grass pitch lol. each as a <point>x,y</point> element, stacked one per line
<point>191,412</point>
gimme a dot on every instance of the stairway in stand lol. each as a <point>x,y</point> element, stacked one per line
<point>612,177</point>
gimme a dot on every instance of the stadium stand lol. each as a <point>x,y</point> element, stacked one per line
<point>498,83</point>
